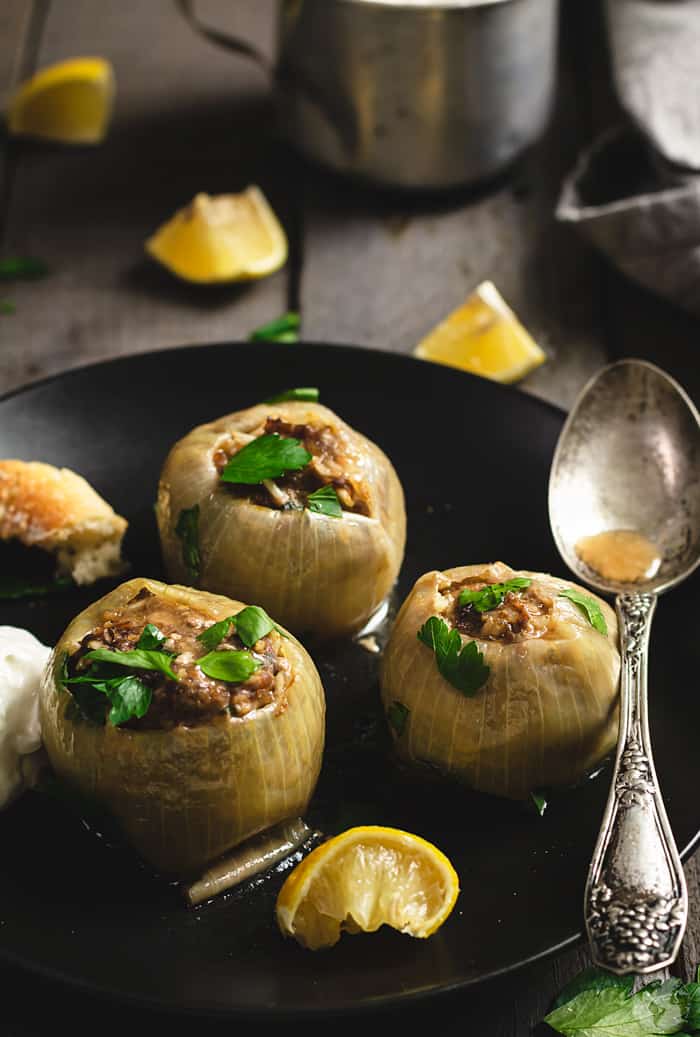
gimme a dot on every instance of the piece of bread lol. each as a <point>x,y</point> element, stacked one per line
<point>57,510</point>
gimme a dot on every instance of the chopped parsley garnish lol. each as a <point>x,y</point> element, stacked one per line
<point>15,268</point>
<point>325,502</point>
<point>491,596</point>
<point>540,802</point>
<point>7,308</point>
<point>307,394</point>
<point>266,457</point>
<point>251,623</point>
<point>187,529</point>
<point>12,590</point>
<point>598,1003</point>
<point>462,666</point>
<point>137,659</point>
<point>397,714</point>
<point>282,329</point>
<point>103,692</point>
<point>151,638</point>
<point>590,608</point>
<point>228,666</point>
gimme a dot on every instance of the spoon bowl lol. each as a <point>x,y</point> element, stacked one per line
<point>628,463</point>
<point>628,457</point>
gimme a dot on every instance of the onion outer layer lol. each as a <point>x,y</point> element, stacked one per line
<point>314,573</point>
<point>185,796</point>
<point>547,714</point>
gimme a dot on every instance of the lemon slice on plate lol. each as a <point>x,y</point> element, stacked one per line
<point>227,237</point>
<point>364,878</point>
<point>483,336</point>
<point>69,102</point>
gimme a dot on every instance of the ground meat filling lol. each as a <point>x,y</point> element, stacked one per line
<point>328,466</point>
<point>522,614</point>
<point>195,698</point>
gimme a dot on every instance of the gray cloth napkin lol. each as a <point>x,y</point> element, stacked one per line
<point>635,193</point>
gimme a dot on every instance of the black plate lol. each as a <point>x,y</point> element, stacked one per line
<point>474,460</point>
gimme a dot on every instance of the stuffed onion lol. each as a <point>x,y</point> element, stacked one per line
<point>286,505</point>
<point>506,681</point>
<point>194,720</point>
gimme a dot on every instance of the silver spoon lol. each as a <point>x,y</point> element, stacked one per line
<point>628,458</point>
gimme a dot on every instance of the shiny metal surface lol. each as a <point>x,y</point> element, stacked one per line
<point>628,457</point>
<point>406,94</point>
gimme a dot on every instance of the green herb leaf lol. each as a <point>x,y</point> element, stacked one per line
<point>397,714</point>
<point>266,457</point>
<point>593,979</point>
<point>16,268</point>
<point>590,608</point>
<point>137,659</point>
<point>325,502</point>
<point>462,666</point>
<point>540,802</point>
<point>228,666</point>
<point>187,529</point>
<point>691,996</point>
<point>151,638</point>
<point>282,329</point>
<point>657,1008</point>
<point>7,308</point>
<point>308,394</point>
<point>215,634</point>
<point>490,597</point>
<point>13,590</point>
<point>252,623</point>
<point>130,697</point>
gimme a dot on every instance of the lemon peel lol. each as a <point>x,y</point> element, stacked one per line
<point>364,878</point>
<point>221,238</point>
<point>484,337</point>
<point>70,102</point>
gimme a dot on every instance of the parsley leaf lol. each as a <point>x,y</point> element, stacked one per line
<point>228,666</point>
<point>187,529</point>
<point>12,590</point>
<point>282,329</point>
<point>325,502</point>
<point>7,308</point>
<point>15,268</point>
<point>266,457</point>
<point>540,802</point>
<point>611,1011</point>
<point>151,638</point>
<point>491,596</point>
<point>397,715</point>
<point>307,394</point>
<point>592,978</point>
<point>137,658</point>
<point>590,608</point>
<point>251,624</point>
<point>462,666</point>
<point>129,697</point>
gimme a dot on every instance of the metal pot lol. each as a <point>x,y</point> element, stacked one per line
<point>408,93</point>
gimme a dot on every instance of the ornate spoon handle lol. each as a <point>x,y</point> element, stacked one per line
<point>636,902</point>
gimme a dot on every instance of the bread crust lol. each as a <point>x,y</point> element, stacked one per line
<point>58,510</point>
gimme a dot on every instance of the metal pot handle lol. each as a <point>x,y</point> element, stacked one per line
<point>222,39</point>
<point>337,114</point>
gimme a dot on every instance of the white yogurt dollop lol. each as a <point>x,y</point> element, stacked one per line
<point>22,661</point>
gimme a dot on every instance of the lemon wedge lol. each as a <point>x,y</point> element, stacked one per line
<point>364,878</point>
<point>227,237</point>
<point>69,102</point>
<point>483,336</point>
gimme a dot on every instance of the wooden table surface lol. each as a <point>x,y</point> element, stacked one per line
<point>370,268</point>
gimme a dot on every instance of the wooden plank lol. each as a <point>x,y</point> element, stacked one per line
<point>380,269</point>
<point>189,117</point>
